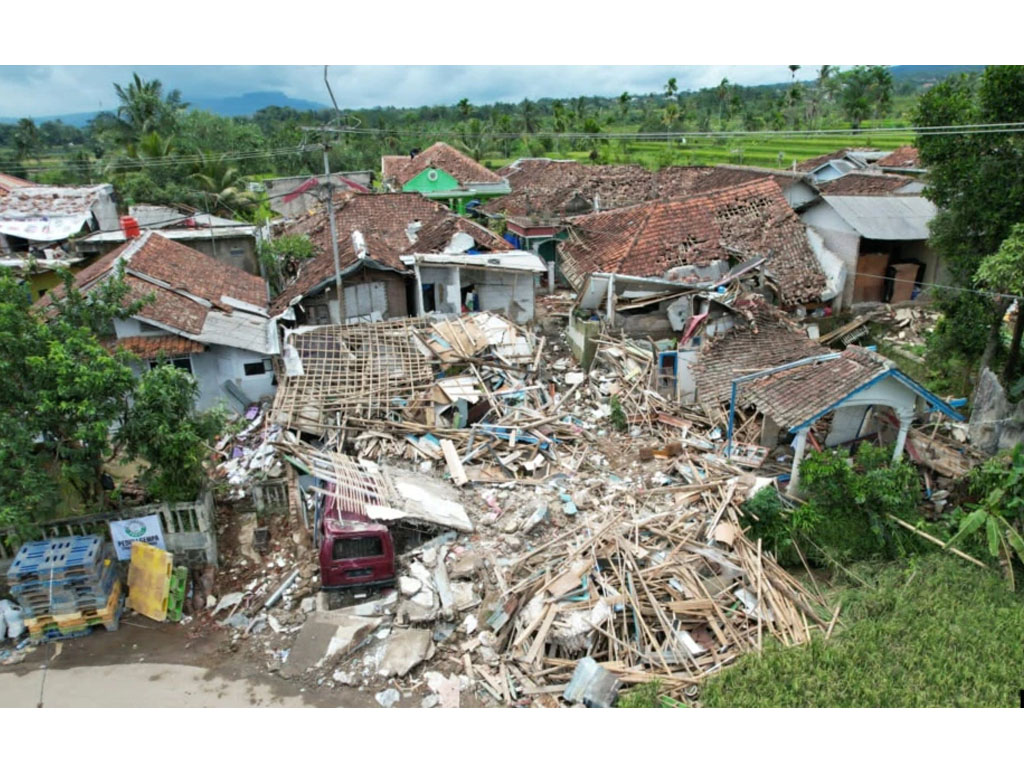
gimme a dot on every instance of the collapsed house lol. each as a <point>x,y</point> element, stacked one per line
<point>36,223</point>
<point>641,265</point>
<point>832,165</point>
<point>402,254</point>
<point>441,172</point>
<point>207,318</point>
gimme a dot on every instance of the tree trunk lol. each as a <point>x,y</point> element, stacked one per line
<point>993,336</point>
<point>1010,371</point>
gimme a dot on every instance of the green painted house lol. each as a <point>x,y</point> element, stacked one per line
<point>441,172</point>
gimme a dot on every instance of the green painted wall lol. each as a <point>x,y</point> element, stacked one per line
<point>421,182</point>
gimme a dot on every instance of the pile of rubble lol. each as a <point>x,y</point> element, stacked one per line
<point>623,548</point>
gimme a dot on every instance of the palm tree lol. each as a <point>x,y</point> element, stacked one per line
<point>529,113</point>
<point>464,107</point>
<point>624,104</point>
<point>669,118</point>
<point>222,186</point>
<point>145,109</point>
<point>671,88</point>
<point>26,139</point>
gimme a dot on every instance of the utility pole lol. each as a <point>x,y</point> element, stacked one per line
<point>329,183</point>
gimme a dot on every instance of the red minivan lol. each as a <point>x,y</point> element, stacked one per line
<point>354,550</point>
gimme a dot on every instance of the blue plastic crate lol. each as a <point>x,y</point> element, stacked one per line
<point>56,557</point>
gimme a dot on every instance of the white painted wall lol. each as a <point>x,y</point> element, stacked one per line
<point>446,288</point>
<point>840,238</point>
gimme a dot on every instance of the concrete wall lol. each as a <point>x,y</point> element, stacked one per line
<point>445,280</point>
<point>582,337</point>
<point>237,251</point>
<point>839,238</point>
<point>510,293</point>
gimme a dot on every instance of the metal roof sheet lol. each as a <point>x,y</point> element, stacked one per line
<point>885,218</point>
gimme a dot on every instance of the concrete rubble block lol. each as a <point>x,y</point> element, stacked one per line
<point>409,586</point>
<point>465,595</point>
<point>466,564</point>
<point>375,607</point>
<point>419,572</point>
<point>388,697</point>
<point>325,636</point>
<point>308,604</point>
<point>405,649</point>
<point>446,688</point>
<point>415,613</point>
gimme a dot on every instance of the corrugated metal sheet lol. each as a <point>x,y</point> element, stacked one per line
<point>885,218</point>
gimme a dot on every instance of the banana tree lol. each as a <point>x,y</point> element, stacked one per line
<point>1000,481</point>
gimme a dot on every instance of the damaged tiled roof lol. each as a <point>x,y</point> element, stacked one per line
<point>766,339</point>
<point>545,190</point>
<point>383,220</point>
<point>902,157</point>
<point>33,200</point>
<point>8,182</point>
<point>151,347</point>
<point>168,270</point>
<point>813,163</point>
<point>794,396</point>
<point>864,183</point>
<point>744,221</point>
<point>401,168</point>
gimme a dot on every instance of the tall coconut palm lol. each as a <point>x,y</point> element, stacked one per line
<point>222,186</point>
<point>144,108</point>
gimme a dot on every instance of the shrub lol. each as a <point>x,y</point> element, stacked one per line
<point>850,501</point>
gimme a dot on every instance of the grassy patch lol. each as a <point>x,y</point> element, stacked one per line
<point>934,632</point>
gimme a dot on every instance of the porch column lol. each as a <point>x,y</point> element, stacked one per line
<point>551,277</point>
<point>901,437</point>
<point>610,306</point>
<point>798,456</point>
<point>419,290</point>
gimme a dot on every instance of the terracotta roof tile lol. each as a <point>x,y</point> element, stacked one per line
<point>794,396</point>
<point>383,221</point>
<point>8,182</point>
<point>864,183</point>
<point>901,157</point>
<point>400,169</point>
<point>174,267</point>
<point>151,347</point>
<point>764,339</point>
<point>743,221</point>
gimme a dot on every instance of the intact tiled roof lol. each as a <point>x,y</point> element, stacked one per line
<point>864,183</point>
<point>744,221</point>
<point>383,220</point>
<point>902,157</point>
<point>151,347</point>
<point>812,163</point>
<point>168,270</point>
<point>794,396</point>
<point>400,169</point>
<point>729,175</point>
<point>766,338</point>
<point>8,182</point>
<point>34,200</point>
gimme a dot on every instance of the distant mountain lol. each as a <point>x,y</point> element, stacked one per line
<point>227,106</point>
<point>247,104</point>
<point>930,73</point>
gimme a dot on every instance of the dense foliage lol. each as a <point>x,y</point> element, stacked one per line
<point>977,181</point>
<point>63,395</point>
<point>163,428</point>
<point>931,632</point>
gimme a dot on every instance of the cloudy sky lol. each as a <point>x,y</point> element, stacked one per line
<point>39,91</point>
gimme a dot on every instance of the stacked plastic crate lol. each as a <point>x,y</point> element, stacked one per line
<point>66,586</point>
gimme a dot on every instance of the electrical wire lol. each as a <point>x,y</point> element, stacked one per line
<point>391,132</point>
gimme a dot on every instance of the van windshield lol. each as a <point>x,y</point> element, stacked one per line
<point>350,549</point>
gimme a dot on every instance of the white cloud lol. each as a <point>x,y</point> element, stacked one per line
<point>50,90</point>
